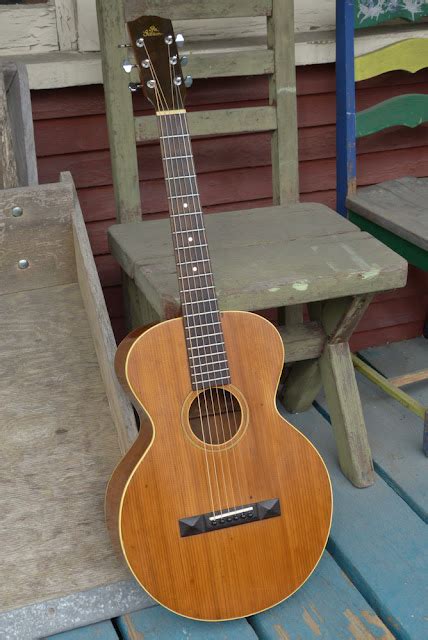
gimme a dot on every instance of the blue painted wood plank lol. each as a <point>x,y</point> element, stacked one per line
<point>327,606</point>
<point>346,164</point>
<point>158,623</point>
<point>99,631</point>
<point>379,542</point>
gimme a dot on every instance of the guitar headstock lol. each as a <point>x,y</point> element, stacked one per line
<point>155,49</point>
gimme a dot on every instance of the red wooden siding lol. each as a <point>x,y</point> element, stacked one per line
<point>234,171</point>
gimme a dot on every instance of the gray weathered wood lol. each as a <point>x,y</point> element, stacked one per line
<point>262,226</point>
<point>59,434</point>
<point>400,206</point>
<point>40,235</point>
<point>303,341</point>
<point>215,122</point>
<point>302,386</point>
<point>344,405</point>
<point>20,121</point>
<point>197,9</point>
<point>59,446</point>
<point>241,62</point>
<point>349,321</point>
<point>119,111</point>
<point>99,322</point>
<point>268,261</point>
<point>139,312</point>
<point>282,94</point>
<point>8,168</point>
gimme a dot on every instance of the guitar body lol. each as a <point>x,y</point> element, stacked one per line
<point>171,473</point>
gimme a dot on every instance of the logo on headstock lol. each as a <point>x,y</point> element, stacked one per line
<point>151,31</point>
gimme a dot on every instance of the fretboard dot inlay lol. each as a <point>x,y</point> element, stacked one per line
<point>194,268</point>
<point>190,239</point>
<point>185,205</point>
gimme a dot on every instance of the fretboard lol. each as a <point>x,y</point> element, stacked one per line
<point>206,350</point>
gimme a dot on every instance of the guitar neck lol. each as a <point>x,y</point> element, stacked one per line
<point>204,334</point>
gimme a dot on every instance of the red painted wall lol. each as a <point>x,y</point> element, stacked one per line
<point>234,171</point>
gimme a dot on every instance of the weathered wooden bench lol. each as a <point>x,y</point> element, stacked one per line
<point>64,419</point>
<point>395,211</point>
<point>287,255</point>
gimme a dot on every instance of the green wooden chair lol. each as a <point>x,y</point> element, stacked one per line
<point>395,211</point>
<point>287,255</point>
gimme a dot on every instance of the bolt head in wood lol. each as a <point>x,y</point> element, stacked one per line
<point>179,40</point>
<point>17,212</point>
<point>23,264</point>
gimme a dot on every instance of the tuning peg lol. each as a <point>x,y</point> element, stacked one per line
<point>124,46</point>
<point>134,86</point>
<point>184,60</point>
<point>127,66</point>
<point>179,40</point>
<point>188,81</point>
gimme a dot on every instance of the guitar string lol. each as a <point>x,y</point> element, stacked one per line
<point>176,216</point>
<point>191,170</point>
<point>176,100</point>
<point>162,103</point>
<point>196,207</point>
<point>212,313</point>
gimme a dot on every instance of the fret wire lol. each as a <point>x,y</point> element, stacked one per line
<point>218,353</point>
<point>216,362</point>
<point>190,176</point>
<point>213,344</point>
<point>206,335</point>
<point>188,195</point>
<point>194,374</point>
<point>208,324</point>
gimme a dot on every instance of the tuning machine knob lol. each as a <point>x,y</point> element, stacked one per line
<point>184,60</point>
<point>188,81</point>
<point>179,40</point>
<point>134,86</point>
<point>127,66</point>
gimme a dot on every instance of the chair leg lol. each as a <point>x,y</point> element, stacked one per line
<point>339,319</point>
<point>344,405</point>
<point>302,386</point>
<point>138,311</point>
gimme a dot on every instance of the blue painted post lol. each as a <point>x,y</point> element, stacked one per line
<point>346,169</point>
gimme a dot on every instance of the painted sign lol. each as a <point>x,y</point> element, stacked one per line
<point>370,13</point>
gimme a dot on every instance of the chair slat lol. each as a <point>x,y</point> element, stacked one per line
<point>198,9</point>
<point>407,55</point>
<point>231,63</point>
<point>408,110</point>
<point>214,122</point>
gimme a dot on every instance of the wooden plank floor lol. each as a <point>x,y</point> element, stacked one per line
<point>372,582</point>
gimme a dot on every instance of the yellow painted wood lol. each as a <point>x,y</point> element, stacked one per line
<point>408,55</point>
<point>407,401</point>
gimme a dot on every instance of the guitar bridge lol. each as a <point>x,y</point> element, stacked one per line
<point>233,517</point>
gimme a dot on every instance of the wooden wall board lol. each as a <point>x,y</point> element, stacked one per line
<point>158,623</point>
<point>377,540</point>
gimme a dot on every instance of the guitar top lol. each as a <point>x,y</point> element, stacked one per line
<point>221,508</point>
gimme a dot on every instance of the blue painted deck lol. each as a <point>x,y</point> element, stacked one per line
<point>372,582</point>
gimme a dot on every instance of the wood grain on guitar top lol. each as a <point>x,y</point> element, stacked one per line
<point>231,572</point>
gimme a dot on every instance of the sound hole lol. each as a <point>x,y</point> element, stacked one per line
<point>215,416</point>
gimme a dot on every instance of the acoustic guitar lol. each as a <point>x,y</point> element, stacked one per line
<point>221,507</point>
